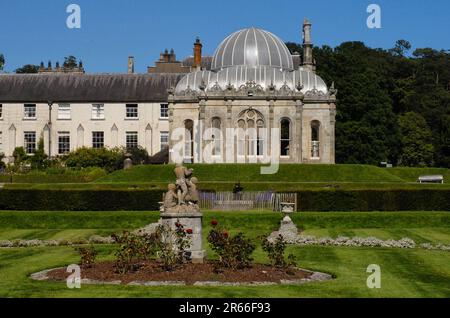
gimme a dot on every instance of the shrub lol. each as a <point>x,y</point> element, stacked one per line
<point>275,251</point>
<point>234,252</point>
<point>174,245</point>
<point>139,155</point>
<point>79,200</point>
<point>108,159</point>
<point>132,249</point>
<point>88,255</point>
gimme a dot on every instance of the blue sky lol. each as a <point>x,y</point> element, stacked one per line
<point>111,30</point>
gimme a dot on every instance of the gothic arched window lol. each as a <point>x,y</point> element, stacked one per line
<point>251,133</point>
<point>285,137</point>
<point>315,139</point>
<point>189,141</point>
<point>216,136</point>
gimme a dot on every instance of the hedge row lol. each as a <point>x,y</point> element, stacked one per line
<point>147,200</point>
<point>374,200</point>
<point>80,200</point>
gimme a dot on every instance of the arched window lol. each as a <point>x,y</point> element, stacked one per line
<point>216,137</point>
<point>315,139</point>
<point>285,137</point>
<point>250,135</point>
<point>189,141</point>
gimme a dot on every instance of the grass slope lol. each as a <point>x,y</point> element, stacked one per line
<point>252,173</point>
<point>405,273</point>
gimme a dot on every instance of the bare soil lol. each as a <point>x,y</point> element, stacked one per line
<point>151,271</point>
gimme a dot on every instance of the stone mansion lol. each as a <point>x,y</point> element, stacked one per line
<point>252,82</point>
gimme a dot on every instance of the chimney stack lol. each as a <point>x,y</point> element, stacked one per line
<point>308,60</point>
<point>130,65</point>
<point>197,55</point>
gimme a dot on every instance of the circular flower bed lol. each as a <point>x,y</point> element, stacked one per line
<point>151,273</point>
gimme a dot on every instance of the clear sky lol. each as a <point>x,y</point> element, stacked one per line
<point>111,30</point>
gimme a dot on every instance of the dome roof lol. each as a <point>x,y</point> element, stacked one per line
<point>261,75</point>
<point>252,47</point>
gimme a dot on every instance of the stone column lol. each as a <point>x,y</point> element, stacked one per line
<point>190,220</point>
<point>332,133</point>
<point>298,138</point>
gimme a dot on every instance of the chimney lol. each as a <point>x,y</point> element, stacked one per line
<point>308,61</point>
<point>130,65</point>
<point>197,55</point>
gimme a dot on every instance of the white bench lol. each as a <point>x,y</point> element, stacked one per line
<point>431,179</point>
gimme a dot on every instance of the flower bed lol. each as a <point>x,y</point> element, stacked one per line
<point>188,274</point>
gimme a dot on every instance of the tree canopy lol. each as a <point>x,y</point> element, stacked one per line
<point>391,106</point>
<point>27,69</point>
<point>2,61</point>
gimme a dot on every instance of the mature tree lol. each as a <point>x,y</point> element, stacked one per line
<point>27,69</point>
<point>70,62</point>
<point>417,149</point>
<point>375,87</point>
<point>401,48</point>
<point>2,61</point>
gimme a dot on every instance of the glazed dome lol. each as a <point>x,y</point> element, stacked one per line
<point>252,48</point>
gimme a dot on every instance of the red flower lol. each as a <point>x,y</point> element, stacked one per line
<point>178,224</point>
<point>189,231</point>
<point>214,222</point>
<point>225,234</point>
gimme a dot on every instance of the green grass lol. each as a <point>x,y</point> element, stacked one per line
<point>222,177</point>
<point>412,174</point>
<point>405,273</point>
<point>251,173</point>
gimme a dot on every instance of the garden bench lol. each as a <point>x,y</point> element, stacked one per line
<point>431,179</point>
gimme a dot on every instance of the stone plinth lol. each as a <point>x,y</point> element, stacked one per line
<point>190,220</point>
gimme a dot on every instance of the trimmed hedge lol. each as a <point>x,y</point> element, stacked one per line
<point>374,200</point>
<point>147,200</point>
<point>80,200</point>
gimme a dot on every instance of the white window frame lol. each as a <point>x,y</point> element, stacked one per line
<point>1,143</point>
<point>64,112</point>
<point>163,139</point>
<point>27,112</point>
<point>128,114</point>
<point>62,150</point>
<point>98,111</point>
<point>134,135</point>
<point>27,142</point>
<point>95,141</point>
<point>164,112</point>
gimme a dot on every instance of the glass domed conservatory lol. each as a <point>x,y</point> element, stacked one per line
<point>256,103</point>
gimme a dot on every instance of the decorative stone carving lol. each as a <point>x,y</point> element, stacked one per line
<point>181,206</point>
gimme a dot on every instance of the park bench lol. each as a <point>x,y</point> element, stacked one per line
<point>431,179</point>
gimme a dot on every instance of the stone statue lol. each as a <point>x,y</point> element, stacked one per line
<point>182,196</point>
<point>181,206</point>
<point>193,196</point>
<point>182,173</point>
<point>170,198</point>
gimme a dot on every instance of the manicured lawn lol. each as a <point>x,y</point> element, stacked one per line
<point>405,273</point>
<point>222,177</point>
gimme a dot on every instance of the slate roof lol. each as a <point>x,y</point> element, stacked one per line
<point>40,88</point>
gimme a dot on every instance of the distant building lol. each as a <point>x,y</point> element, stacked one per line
<point>253,85</point>
<point>252,81</point>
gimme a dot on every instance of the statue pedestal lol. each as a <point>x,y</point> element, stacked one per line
<point>190,218</point>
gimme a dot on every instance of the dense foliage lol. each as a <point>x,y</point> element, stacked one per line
<point>376,89</point>
<point>87,256</point>
<point>234,251</point>
<point>108,159</point>
<point>275,251</point>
